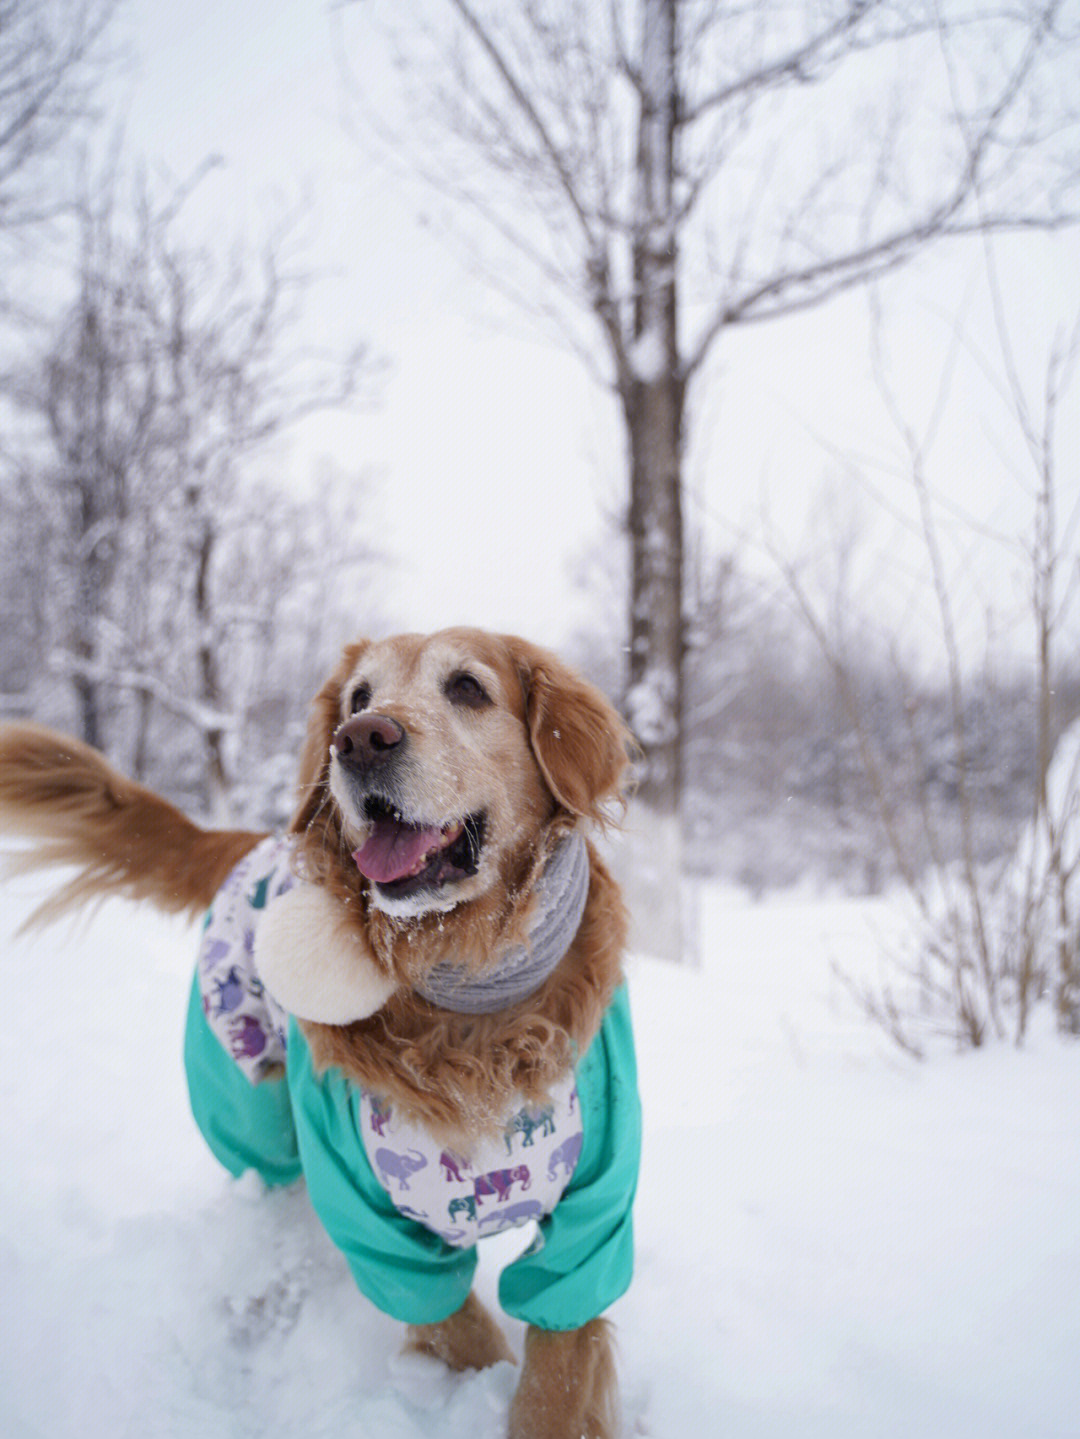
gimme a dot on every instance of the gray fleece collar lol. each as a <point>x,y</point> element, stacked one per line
<point>562,890</point>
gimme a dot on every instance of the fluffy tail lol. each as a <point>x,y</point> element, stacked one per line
<point>121,838</point>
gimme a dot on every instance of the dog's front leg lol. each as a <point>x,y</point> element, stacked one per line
<point>469,1339</point>
<point>568,1387</point>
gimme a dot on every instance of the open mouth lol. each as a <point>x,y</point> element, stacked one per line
<point>402,857</point>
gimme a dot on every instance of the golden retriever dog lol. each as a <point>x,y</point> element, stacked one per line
<point>414,997</point>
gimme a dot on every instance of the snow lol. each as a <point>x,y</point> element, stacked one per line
<point>648,357</point>
<point>1054,837</point>
<point>651,705</point>
<point>832,1240</point>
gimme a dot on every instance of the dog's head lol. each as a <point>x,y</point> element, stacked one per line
<point>436,761</point>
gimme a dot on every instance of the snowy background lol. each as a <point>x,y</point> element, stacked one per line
<point>493,464</point>
<point>831,1241</point>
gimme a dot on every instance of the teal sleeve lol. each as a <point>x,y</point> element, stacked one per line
<point>404,1269</point>
<point>583,1257</point>
<point>247,1126</point>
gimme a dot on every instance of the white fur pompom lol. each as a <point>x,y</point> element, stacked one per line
<point>314,964</point>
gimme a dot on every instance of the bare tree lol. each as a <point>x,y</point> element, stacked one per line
<point>93,395</point>
<point>673,168</point>
<point>228,388</point>
<point>52,53</point>
<point>992,939</point>
<point>169,372</point>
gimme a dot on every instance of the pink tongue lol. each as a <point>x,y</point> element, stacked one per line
<point>394,850</point>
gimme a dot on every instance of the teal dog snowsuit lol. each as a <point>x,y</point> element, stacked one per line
<point>406,1213</point>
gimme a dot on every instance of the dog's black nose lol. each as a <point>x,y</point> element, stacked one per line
<point>367,739</point>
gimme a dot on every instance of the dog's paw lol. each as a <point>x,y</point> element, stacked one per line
<point>469,1339</point>
<point>568,1387</point>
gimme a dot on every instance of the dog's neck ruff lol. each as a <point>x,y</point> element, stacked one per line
<point>561,891</point>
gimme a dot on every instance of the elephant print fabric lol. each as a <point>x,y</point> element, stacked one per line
<point>505,1182</point>
<point>249,1023</point>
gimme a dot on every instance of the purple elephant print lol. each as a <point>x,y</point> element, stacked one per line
<point>565,1156</point>
<point>500,1182</point>
<point>246,1037</point>
<point>230,992</point>
<point>380,1114</point>
<point>214,951</point>
<point>452,1165</point>
<point>513,1215</point>
<point>399,1166</point>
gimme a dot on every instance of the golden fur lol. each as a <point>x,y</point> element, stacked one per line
<point>544,754</point>
<point>456,1073</point>
<point>120,838</point>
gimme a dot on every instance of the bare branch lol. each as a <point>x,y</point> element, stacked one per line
<point>51,59</point>
<point>808,62</point>
<point>525,107</point>
<point>965,210</point>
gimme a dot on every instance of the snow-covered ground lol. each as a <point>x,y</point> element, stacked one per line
<point>832,1241</point>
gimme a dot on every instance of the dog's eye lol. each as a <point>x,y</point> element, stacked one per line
<point>359,699</point>
<point>465,689</point>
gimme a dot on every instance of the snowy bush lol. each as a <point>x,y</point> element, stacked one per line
<point>988,944</point>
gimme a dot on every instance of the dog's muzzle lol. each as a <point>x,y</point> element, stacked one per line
<point>402,854</point>
<point>367,742</point>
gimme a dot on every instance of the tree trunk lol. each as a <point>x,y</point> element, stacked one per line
<point>86,611</point>
<point>218,784</point>
<point>86,703</point>
<point>655,697</point>
<point>93,502</point>
<point>652,391</point>
<point>140,747</point>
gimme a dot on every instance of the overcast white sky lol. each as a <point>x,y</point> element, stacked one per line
<point>494,458</point>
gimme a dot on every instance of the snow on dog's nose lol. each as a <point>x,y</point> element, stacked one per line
<point>366,741</point>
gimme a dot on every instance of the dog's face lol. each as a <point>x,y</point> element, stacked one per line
<point>431,770</point>
<point>444,756</point>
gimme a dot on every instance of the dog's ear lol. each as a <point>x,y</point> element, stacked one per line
<point>323,720</point>
<point>580,742</point>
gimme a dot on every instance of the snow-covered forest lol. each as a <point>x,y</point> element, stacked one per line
<point>649,330</point>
